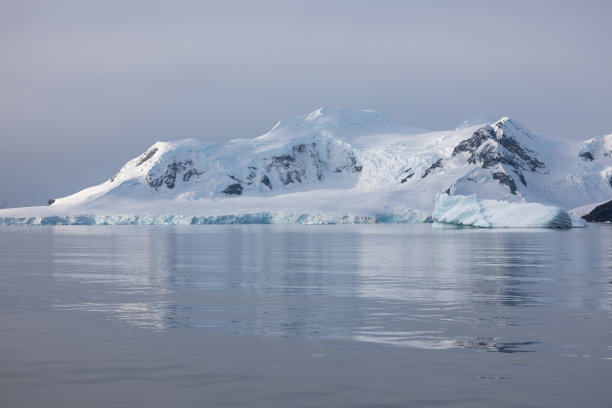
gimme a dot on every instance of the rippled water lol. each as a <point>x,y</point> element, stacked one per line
<point>354,315</point>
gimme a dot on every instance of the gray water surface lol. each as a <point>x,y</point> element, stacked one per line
<point>305,316</point>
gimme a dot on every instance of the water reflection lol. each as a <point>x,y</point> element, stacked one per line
<point>398,285</point>
<point>142,315</point>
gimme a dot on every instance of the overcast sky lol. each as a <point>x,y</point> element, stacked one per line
<point>87,85</point>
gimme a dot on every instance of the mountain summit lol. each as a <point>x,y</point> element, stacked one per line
<point>336,118</point>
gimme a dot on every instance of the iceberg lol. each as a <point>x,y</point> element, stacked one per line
<point>469,211</point>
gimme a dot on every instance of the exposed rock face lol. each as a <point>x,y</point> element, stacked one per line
<point>489,148</point>
<point>408,174</point>
<point>601,213</point>
<point>472,144</point>
<point>50,202</point>
<point>306,162</point>
<point>175,169</point>
<point>233,189</point>
<point>436,165</point>
<point>498,147</point>
<point>528,160</point>
<point>148,154</point>
<point>294,166</point>
<point>291,167</point>
<point>505,180</point>
<point>266,182</point>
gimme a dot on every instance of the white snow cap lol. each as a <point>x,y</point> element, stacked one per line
<point>333,118</point>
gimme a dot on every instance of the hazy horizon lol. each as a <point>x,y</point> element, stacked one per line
<point>87,86</point>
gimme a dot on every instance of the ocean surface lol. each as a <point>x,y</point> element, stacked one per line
<point>305,316</point>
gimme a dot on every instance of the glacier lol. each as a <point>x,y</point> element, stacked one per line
<point>469,211</point>
<point>337,165</point>
<point>312,218</point>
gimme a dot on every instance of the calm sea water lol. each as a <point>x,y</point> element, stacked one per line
<point>305,316</point>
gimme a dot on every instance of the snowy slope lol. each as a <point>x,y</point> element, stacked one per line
<point>339,165</point>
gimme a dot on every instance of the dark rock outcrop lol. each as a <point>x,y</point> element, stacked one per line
<point>292,167</point>
<point>150,153</point>
<point>505,180</point>
<point>266,182</point>
<point>527,156</point>
<point>173,170</point>
<point>473,143</point>
<point>436,165</point>
<point>51,201</point>
<point>489,149</point>
<point>409,173</point>
<point>252,175</point>
<point>233,189</point>
<point>601,213</point>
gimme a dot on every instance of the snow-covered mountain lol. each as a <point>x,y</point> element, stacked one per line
<point>339,164</point>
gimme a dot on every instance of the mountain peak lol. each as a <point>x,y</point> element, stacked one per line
<point>333,118</point>
<point>508,128</point>
<point>345,116</point>
<point>509,124</point>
